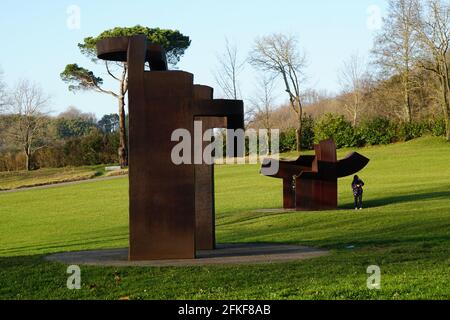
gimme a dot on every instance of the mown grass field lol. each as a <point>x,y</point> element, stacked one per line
<point>405,230</point>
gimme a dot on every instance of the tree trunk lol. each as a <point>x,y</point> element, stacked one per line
<point>447,112</point>
<point>123,145</point>
<point>447,128</point>
<point>355,117</point>
<point>356,101</point>
<point>446,88</point>
<point>407,103</point>
<point>298,132</point>
<point>406,96</point>
<point>27,162</point>
<point>27,152</point>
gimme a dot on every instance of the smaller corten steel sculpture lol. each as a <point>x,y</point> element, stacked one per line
<point>310,182</point>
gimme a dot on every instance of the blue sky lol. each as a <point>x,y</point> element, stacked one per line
<point>37,43</point>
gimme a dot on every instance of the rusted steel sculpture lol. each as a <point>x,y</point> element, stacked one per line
<point>310,182</point>
<point>171,206</point>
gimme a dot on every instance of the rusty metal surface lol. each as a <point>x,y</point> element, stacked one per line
<point>352,164</point>
<point>164,223</point>
<point>116,49</point>
<point>310,182</point>
<point>205,236</point>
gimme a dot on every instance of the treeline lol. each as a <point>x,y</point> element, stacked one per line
<point>403,85</point>
<point>378,118</point>
<point>402,92</point>
<point>72,138</point>
<point>373,131</point>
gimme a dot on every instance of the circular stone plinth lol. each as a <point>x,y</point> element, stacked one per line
<point>274,210</point>
<point>234,254</point>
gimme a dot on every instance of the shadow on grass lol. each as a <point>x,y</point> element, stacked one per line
<point>376,203</point>
<point>361,241</point>
<point>412,243</point>
<point>86,240</point>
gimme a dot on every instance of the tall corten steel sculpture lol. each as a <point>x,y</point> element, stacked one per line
<point>310,182</point>
<point>171,206</point>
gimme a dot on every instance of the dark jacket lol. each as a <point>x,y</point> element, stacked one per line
<point>357,187</point>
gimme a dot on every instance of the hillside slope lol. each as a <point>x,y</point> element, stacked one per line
<point>405,230</point>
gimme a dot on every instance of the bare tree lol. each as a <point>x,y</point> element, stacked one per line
<point>3,93</point>
<point>279,54</point>
<point>28,111</point>
<point>229,68</point>
<point>3,104</point>
<point>434,34</point>
<point>395,47</point>
<point>351,78</point>
<point>262,104</point>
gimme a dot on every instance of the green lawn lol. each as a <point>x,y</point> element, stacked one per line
<point>405,230</point>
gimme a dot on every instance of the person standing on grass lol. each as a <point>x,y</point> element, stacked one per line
<point>357,186</point>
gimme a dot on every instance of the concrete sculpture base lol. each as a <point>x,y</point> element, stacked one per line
<point>235,254</point>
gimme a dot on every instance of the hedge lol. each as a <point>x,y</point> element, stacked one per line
<point>376,131</point>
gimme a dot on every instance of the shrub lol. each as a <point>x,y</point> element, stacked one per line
<point>408,131</point>
<point>288,141</point>
<point>70,128</point>
<point>12,161</point>
<point>437,127</point>
<point>377,131</point>
<point>308,134</point>
<point>339,129</point>
<point>92,149</point>
<point>50,156</point>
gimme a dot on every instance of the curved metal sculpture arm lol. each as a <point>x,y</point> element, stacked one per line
<point>116,49</point>
<point>287,169</point>
<point>233,110</point>
<point>353,163</point>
